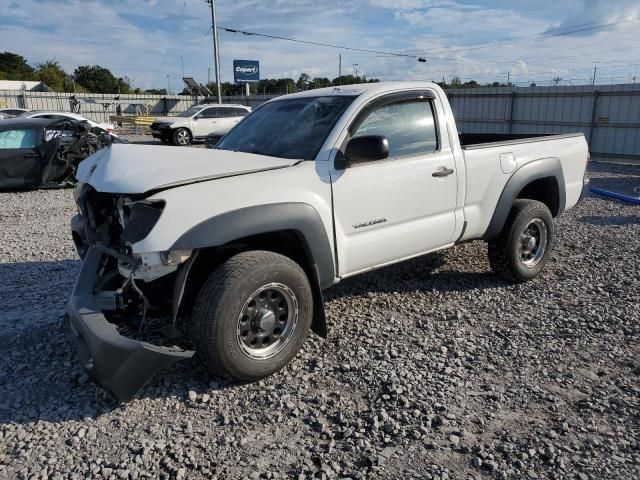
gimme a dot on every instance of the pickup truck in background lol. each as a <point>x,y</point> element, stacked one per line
<point>225,252</point>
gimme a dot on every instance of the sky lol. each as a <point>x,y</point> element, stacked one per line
<point>149,41</point>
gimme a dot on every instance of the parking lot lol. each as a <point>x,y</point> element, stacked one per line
<point>433,369</point>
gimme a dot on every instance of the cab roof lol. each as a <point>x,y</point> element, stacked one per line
<point>368,89</point>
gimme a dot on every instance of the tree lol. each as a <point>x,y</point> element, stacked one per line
<point>303,82</point>
<point>155,91</point>
<point>52,75</point>
<point>97,79</point>
<point>15,67</point>
<point>557,80</point>
<point>322,82</point>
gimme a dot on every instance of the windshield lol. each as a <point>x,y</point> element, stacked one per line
<point>191,112</point>
<point>295,128</point>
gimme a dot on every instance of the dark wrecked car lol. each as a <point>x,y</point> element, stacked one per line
<point>44,153</point>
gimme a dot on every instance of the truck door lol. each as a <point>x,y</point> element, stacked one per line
<point>402,206</point>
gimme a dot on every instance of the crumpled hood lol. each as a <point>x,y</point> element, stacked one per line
<point>134,169</point>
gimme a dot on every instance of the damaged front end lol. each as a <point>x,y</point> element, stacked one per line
<point>124,307</point>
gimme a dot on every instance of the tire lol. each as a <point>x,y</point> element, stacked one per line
<point>225,324</point>
<point>182,137</point>
<point>514,256</point>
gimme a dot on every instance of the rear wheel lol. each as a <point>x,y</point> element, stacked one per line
<point>182,137</point>
<point>252,315</point>
<point>522,249</point>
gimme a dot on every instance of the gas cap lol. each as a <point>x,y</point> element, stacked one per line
<point>508,162</point>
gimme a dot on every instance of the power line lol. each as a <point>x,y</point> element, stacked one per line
<point>329,45</point>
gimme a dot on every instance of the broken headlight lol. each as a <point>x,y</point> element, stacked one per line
<point>139,218</point>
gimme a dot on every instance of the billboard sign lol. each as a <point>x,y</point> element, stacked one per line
<point>246,71</point>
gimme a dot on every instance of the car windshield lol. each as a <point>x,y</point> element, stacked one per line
<point>294,128</point>
<point>191,112</point>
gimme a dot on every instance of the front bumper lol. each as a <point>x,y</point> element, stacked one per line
<point>119,364</point>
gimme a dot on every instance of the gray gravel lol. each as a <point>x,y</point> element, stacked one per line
<point>433,369</point>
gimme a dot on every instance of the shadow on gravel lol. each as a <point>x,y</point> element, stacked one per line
<point>416,275</point>
<point>612,220</point>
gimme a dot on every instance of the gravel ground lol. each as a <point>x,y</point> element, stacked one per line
<point>433,369</point>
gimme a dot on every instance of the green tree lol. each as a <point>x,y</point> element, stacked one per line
<point>303,82</point>
<point>155,91</point>
<point>96,79</point>
<point>15,67</point>
<point>321,82</point>
<point>52,75</point>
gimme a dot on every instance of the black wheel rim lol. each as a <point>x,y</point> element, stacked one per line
<point>267,321</point>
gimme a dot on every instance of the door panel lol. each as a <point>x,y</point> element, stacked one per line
<point>207,124</point>
<point>401,207</point>
<point>19,168</point>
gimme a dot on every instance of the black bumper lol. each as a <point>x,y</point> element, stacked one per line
<point>119,364</point>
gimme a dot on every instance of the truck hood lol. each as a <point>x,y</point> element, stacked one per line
<point>135,169</point>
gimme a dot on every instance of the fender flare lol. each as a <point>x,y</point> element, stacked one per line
<point>523,176</point>
<point>301,218</point>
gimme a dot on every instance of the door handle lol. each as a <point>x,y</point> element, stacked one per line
<point>442,172</point>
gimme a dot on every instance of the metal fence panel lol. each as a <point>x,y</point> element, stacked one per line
<point>609,115</point>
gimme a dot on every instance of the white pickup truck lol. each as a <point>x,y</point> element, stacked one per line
<point>225,252</point>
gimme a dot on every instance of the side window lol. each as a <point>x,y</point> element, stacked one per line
<point>21,138</point>
<point>409,126</point>
<point>240,112</point>
<point>209,113</point>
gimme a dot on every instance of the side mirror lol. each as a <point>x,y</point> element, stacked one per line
<point>197,117</point>
<point>367,148</point>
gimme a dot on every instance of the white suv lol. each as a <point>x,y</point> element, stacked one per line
<point>198,122</point>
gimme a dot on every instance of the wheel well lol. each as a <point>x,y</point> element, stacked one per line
<point>286,242</point>
<point>544,190</point>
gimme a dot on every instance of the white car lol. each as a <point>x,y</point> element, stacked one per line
<point>198,122</point>
<point>309,189</point>
<point>107,127</point>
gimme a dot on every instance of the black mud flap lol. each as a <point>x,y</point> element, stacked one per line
<point>119,364</point>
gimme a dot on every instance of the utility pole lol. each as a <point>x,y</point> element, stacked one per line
<point>355,69</point>
<point>168,86</point>
<point>340,69</point>
<point>182,62</point>
<point>595,71</point>
<point>216,47</point>
<point>508,79</point>
<point>208,76</point>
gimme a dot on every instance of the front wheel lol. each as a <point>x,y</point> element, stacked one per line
<point>182,137</point>
<point>523,248</point>
<point>252,315</point>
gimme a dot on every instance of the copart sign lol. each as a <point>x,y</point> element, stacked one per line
<point>246,71</point>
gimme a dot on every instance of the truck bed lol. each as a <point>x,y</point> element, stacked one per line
<point>482,140</point>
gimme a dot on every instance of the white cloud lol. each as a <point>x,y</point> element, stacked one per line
<point>144,39</point>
